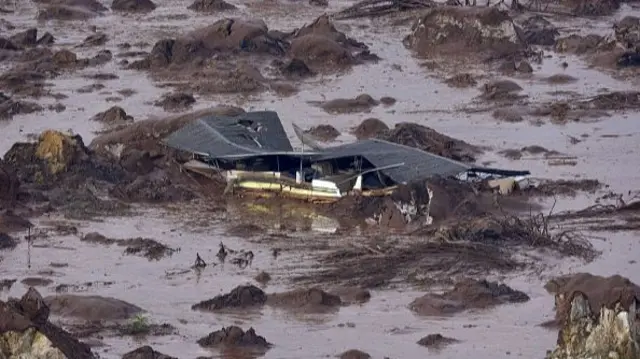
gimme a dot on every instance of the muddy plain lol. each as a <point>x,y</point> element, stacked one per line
<point>128,251</point>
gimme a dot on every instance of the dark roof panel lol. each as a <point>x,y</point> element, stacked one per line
<point>417,164</point>
<point>257,132</point>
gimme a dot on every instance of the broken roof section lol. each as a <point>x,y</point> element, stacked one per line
<point>413,163</point>
<point>258,133</point>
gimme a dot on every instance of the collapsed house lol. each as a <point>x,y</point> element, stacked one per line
<point>253,153</point>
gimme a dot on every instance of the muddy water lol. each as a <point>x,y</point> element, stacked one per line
<point>384,327</point>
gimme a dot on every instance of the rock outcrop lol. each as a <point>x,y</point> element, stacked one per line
<point>609,332</point>
<point>456,32</point>
<point>25,332</point>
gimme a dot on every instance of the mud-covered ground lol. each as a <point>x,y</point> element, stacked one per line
<point>324,282</point>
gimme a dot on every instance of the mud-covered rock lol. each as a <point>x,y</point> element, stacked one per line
<point>537,30</point>
<point>627,32</point>
<point>239,297</point>
<point>324,132</point>
<point>211,6</point>
<point>10,108</point>
<point>26,333</point>
<point>145,247</point>
<point>146,352</point>
<point>593,7</point>
<point>354,354</point>
<point>467,294</point>
<point>155,187</point>
<point>452,31</point>
<point>7,242</point>
<point>436,341</point>
<point>295,69</point>
<point>176,101</point>
<point>6,44</point>
<point>321,45</point>
<point>97,39</point>
<point>133,5</point>
<point>25,38</point>
<point>226,35</point>
<point>91,307</point>
<point>361,103</point>
<point>57,156</point>
<point>351,295</point>
<point>370,128</point>
<point>113,116</point>
<point>429,140</point>
<point>609,332</point>
<point>9,185</point>
<point>66,13</point>
<point>234,337</point>
<point>313,299</point>
<point>599,290</point>
<point>588,44</point>
<point>462,80</point>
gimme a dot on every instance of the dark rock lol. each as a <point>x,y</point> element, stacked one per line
<point>239,297</point>
<point>436,341</point>
<point>539,31</point>
<point>36,282</point>
<point>97,39</point>
<point>354,354</point>
<point>211,6</point>
<point>25,38</point>
<point>7,242</point>
<point>6,44</point>
<point>235,337</point>
<point>319,3</point>
<point>46,39</point>
<point>133,5</point>
<point>296,68</point>
<point>524,67</point>
<point>306,299</point>
<point>146,352</point>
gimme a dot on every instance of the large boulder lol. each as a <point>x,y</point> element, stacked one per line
<point>133,5</point>
<point>91,307</point>
<point>610,331</point>
<point>457,32</point>
<point>627,32</point>
<point>225,35</point>
<point>321,45</point>
<point>598,289</point>
<point>25,332</point>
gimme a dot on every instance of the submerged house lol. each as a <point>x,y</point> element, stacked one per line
<point>253,152</point>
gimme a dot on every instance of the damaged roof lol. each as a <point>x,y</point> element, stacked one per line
<point>415,163</point>
<point>249,134</point>
<point>260,133</point>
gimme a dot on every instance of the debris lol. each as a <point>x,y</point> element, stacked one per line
<point>374,8</point>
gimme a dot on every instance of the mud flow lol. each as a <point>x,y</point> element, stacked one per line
<point>494,206</point>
